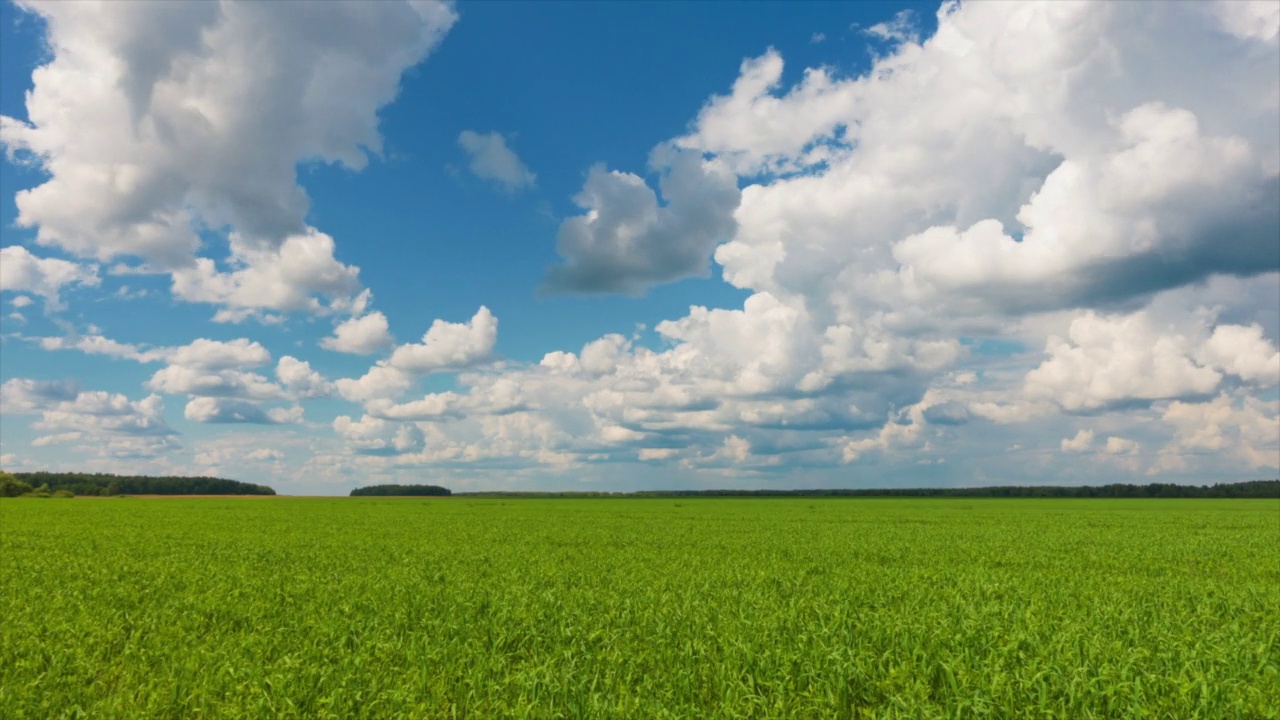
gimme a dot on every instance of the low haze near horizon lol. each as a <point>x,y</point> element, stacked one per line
<point>620,246</point>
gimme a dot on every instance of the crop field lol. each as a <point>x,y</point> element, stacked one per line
<point>639,608</point>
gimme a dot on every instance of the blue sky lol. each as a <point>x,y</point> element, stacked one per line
<point>638,245</point>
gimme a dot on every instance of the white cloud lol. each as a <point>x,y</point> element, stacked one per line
<point>1010,190</point>
<point>360,336</point>
<point>213,355</point>
<point>900,29</point>
<point>265,455</point>
<point>232,410</point>
<point>21,395</point>
<point>215,369</point>
<point>56,439</point>
<point>754,130</point>
<point>110,423</point>
<point>1120,446</point>
<point>381,381</point>
<point>449,346</point>
<point>1109,360</point>
<point>181,379</point>
<point>20,271</point>
<point>21,301</point>
<point>299,274</point>
<point>366,434</point>
<point>1082,441</point>
<point>1244,430</point>
<point>1252,19</point>
<point>1244,352</point>
<point>99,345</point>
<point>300,380</point>
<point>491,159</point>
<point>627,242</point>
<point>149,119</point>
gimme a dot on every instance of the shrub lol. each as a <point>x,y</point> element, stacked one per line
<point>11,486</point>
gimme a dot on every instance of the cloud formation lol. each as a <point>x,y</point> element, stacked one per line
<point>21,271</point>
<point>627,242</point>
<point>491,159</point>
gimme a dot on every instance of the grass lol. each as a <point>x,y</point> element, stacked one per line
<point>350,608</point>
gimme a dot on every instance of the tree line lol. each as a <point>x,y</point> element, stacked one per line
<point>389,490</point>
<point>1248,489</point>
<point>21,483</point>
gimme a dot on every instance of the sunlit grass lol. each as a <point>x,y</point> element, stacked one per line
<point>345,608</point>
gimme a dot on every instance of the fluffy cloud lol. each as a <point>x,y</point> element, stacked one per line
<point>299,274</point>
<point>1243,352</point>
<point>1245,429</point>
<point>1082,441</point>
<point>20,271</point>
<point>381,381</point>
<point>755,131</point>
<point>491,159</point>
<point>1120,446</point>
<point>214,355</point>
<point>627,241</point>
<point>108,423</point>
<point>233,410</point>
<point>150,119</point>
<point>1110,360</point>
<point>449,346</point>
<point>1011,190</point>
<point>215,368</point>
<point>360,336</point>
<point>300,380</point>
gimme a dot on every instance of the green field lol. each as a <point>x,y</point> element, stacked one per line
<point>631,608</point>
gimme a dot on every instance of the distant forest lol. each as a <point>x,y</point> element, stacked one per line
<point>106,484</point>
<point>1249,489</point>
<point>387,490</point>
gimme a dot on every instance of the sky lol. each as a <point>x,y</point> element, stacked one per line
<point>622,246</point>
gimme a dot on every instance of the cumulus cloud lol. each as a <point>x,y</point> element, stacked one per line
<point>151,119</point>
<point>1082,441</point>
<point>298,274</point>
<point>216,368</point>
<point>1011,190</point>
<point>360,336</point>
<point>1108,360</point>
<point>449,346</point>
<point>1244,352</point>
<point>910,240</point>
<point>234,410</point>
<point>381,381</point>
<point>754,130</point>
<point>491,159</point>
<point>627,242</point>
<point>110,423</point>
<point>300,380</point>
<point>21,271</point>
<point>1244,429</point>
